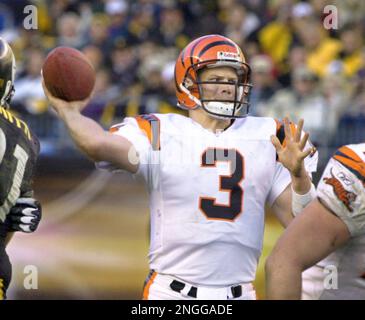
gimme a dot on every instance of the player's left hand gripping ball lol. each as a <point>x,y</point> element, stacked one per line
<point>24,216</point>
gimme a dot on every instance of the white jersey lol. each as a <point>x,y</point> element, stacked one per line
<point>207,193</point>
<point>342,189</point>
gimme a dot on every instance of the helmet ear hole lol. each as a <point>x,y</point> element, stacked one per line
<point>188,83</point>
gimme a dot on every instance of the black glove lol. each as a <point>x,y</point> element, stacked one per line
<point>24,216</point>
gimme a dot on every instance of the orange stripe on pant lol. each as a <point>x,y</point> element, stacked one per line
<point>146,290</point>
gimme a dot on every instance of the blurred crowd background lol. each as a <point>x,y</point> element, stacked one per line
<point>299,68</point>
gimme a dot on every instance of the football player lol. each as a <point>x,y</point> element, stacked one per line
<point>328,236</point>
<point>19,149</point>
<point>209,175</point>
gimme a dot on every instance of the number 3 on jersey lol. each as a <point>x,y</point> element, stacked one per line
<point>229,183</point>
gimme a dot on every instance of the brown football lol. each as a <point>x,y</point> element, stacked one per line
<point>68,74</point>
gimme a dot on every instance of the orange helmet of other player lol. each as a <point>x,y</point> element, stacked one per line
<point>212,51</point>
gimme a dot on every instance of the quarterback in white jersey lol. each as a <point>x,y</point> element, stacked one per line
<point>207,194</point>
<point>333,228</point>
<point>209,175</point>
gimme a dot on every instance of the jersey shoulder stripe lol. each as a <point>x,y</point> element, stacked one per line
<point>150,124</point>
<point>350,159</point>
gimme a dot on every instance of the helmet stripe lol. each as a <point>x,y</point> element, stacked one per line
<point>176,84</point>
<point>214,44</point>
<point>194,46</point>
<point>183,57</point>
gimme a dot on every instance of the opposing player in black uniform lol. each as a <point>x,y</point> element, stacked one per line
<point>19,149</point>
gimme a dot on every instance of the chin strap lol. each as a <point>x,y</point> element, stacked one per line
<point>192,97</point>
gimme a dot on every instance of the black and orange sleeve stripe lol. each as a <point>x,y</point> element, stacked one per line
<point>350,159</point>
<point>150,125</point>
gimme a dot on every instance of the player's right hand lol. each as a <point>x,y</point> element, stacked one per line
<point>62,106</point>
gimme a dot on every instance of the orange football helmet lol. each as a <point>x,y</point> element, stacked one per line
<point>212,51</point>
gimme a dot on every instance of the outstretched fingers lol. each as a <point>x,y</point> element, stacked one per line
<point>306,153</point>
<point>303,141</point>
<point>287,130</point>
<point>298,132</point>
<point>48,94</point>
<point>276,142</point>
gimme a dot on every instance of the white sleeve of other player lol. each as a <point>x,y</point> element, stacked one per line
<point>344,194</point>
<point>130,130</point>
<point>282,176</point>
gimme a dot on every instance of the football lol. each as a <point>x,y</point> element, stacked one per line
<point>68,74</point>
